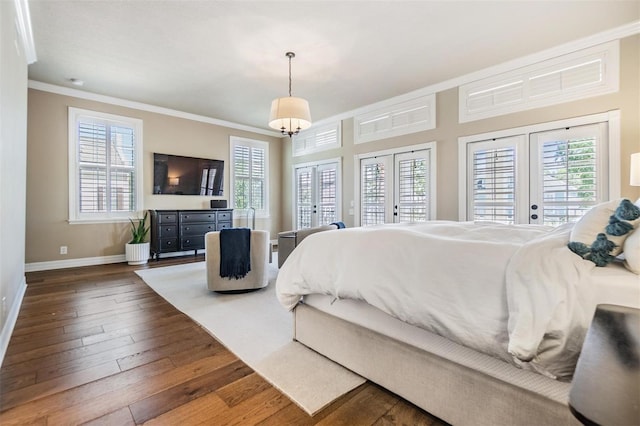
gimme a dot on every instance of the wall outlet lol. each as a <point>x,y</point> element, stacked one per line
<point>63,249</point>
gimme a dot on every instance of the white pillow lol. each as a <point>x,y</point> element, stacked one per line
<point>632,252</point>
<point>594,222</point>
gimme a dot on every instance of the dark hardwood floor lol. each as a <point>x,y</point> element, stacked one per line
<point>95,345</point>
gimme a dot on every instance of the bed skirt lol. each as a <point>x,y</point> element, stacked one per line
<point>480,392</point>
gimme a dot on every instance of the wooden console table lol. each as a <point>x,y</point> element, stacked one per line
<point>183,230</point>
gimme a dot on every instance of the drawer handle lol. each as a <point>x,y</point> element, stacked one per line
<point>187,241</point>
<point>186,228</point>
<point>168,243</point>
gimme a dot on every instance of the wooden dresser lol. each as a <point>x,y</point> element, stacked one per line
<point>183,230</point>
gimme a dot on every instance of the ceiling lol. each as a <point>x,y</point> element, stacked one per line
<point>226,59</point>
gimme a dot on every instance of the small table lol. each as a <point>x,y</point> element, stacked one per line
<point>606,385</point>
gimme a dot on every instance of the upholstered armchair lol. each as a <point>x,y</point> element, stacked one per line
<point>257,277</point>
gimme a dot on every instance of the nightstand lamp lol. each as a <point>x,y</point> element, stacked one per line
<point>634,179</point>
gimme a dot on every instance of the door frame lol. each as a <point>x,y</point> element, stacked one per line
<point>433,172</point>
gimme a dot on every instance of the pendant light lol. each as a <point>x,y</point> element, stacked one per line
<point>290,114</point>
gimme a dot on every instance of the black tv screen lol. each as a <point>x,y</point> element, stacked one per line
<point>178,175</point>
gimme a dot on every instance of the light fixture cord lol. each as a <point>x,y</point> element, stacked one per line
<point>289,75</point>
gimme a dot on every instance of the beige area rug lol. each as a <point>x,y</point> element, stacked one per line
<point>258,330</point>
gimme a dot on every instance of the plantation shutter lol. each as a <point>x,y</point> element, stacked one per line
<point>316,188</point>
<point>249,180</point>
<point>374,190</point>
<point>242,176</point>
<point>304,197</point>
<point>258,178</point>
<point>569,171</point>
<point>327,175</point>
<point>493,180</point>
<point>412,186</point>
<point>106,172</point>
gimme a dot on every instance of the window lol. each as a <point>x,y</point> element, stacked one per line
<point>397,185</point>
<point>578,75</point>
<point>105,166</point>
<point>546,174</point>
<point>249,176</point>
<point>317,193</point>
<point>317,138</point>
<point>400,118</point>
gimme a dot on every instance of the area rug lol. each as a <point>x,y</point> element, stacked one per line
<point>258,330</point>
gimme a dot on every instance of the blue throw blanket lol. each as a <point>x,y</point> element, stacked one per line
<point>235,252</point>
<point>340,225</point>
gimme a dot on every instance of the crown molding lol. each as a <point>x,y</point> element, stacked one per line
<point>81,94</point>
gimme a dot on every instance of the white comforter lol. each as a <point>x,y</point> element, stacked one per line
<point>514,292</point>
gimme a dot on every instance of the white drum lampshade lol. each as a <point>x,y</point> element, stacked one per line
<point>290,115</point>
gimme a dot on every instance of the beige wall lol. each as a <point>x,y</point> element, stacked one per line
<point>47,175</point>
<point>448,130</point>
<point>13,157</point>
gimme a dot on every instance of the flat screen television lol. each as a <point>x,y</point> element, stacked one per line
<point>178,175</point>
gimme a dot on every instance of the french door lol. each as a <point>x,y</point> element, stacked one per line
<point>550,177</point>
<point>316,189</point>
<point>396,188</point>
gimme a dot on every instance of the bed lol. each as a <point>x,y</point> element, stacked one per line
<point>476,323</point>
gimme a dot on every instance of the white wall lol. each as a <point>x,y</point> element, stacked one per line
<point>13,159</point>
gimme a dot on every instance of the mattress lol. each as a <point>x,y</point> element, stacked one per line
<point>615,285</point>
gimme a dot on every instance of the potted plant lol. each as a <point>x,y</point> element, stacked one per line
<point>137,250</point>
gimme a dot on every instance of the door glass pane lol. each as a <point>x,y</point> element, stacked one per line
<point>327,194</point>
<point>494,184</point>
<point>304,198</point>
<point>373,186</point>
<point>570,179</point>
<point>412,188</point>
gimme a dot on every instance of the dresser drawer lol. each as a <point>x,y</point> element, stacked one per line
<point>197,217</point>
<point>197,229</point>
<point>224,216</point>
<point>168,244</point>
<point>170,217</point>
<point>223,225</point>
<point>191,243</point>
<point>167,231</point>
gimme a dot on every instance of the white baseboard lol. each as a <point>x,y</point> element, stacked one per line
<point>73,263</point>
<point>91,261</point>
<point>10,322</point>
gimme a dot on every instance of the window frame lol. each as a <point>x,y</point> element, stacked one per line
<point>612,118</point>
<point>74,119</point>
<point>251,144</point>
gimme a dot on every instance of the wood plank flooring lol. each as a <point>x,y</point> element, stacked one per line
<point>95,345</point>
